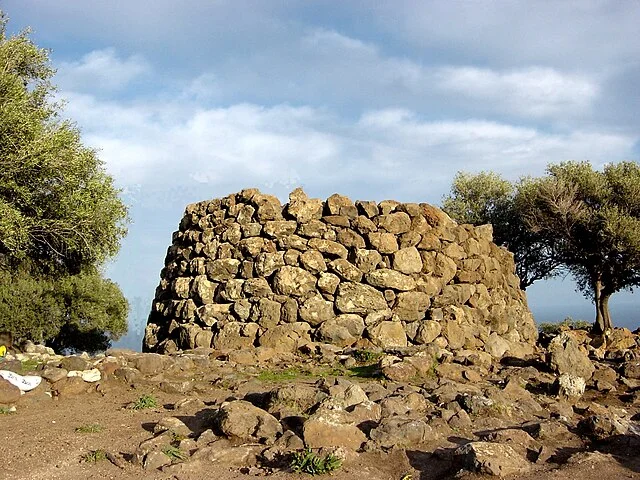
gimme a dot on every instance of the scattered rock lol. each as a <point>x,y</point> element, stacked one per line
<point>8,393</point>
<point>565,356</point>
<point>401,432</point>
<point>492,459</point>
<point>332,428</point>
<point>571,386</point>
<point>244,421</point>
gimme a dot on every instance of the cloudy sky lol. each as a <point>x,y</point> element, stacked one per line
<point>200,98</point>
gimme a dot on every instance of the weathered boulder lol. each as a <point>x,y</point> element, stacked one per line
<point>342,330</point>
<point>492,459</point>
<point>401,432</point>
<point>8,393</point>
<point>246,422</point>
<point>332,428</point>
<point>388,334</point>
<point>293,281</point>
<point>387,278</point>
<point>565,356</point>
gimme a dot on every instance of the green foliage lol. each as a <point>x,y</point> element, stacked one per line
<point>95,313</point>
<point>57,204</point>
<point>478,198</point>
<point>486,198</point>
<point>174,453</point>
<point>176,438</point>
<point>145,401</point>
<point>29,365</point>
<point>313,464</point>
<point>61,217</point>
<point>567,324</point>
<point>7,410</point>
<point>28,306</point>
<point>94,456</point>
<point>366,356</point>
<point>78,312</point>
<point>594,219</point>
<point>281,375</point>
<point>90,428</point>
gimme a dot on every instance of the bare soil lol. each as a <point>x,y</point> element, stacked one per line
<point>40,441</point>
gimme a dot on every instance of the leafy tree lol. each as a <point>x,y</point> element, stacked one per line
<point>76,312</point>
<point>484,198</point>
<point>593,217</point>
<point>61,217</point>
<point>94,312</point>
<point>58,206</point>
<point>27,306</point>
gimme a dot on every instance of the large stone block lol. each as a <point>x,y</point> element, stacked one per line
<point>359,298</point>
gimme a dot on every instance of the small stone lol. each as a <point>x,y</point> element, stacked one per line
<point>571,386</point>
<point>492,459</point>
<point>8,393</point>
<point>155,460</point>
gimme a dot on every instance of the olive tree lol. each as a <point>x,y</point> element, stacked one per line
<point>593,218</point>
<point>61,216</point>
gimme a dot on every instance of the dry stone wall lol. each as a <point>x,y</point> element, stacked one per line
<point>246,271</point>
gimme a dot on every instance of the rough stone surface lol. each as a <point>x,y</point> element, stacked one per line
<point>492,459</point>
<point>246,271</point>
<point>8,393</point>
<point>244,421</point>
<point>565,356</point>
<point>332,428</point>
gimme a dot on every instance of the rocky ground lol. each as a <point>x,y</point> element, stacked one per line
<point>568,411</point>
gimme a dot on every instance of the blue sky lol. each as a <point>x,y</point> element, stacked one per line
<point>197,99</point>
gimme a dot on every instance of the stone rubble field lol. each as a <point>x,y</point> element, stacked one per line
<point>569,409</point>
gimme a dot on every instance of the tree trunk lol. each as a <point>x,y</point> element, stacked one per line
<point>601,300</point>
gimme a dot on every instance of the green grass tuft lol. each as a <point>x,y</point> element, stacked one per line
<point>145,401</point>
<point>366,356</point>
<point>174,453</point>
<point>311,463</point>
<point>29,365</point>
<point>90,428</point>
<point>94,456</point>
<point>7,410</point>
<point>282,375</point>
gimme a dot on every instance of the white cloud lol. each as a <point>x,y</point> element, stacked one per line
<point>534,91</point>
<point>101,70</point>
<point>180,145</point>
<point>330,41</point>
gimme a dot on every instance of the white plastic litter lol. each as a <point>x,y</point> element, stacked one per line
<point>23,382</point>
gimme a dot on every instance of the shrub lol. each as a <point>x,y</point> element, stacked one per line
<point>313,464</point>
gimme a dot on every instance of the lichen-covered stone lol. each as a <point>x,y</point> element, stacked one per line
<point>359,298</point>
<point>293,281</point>
<point>387,278</point>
